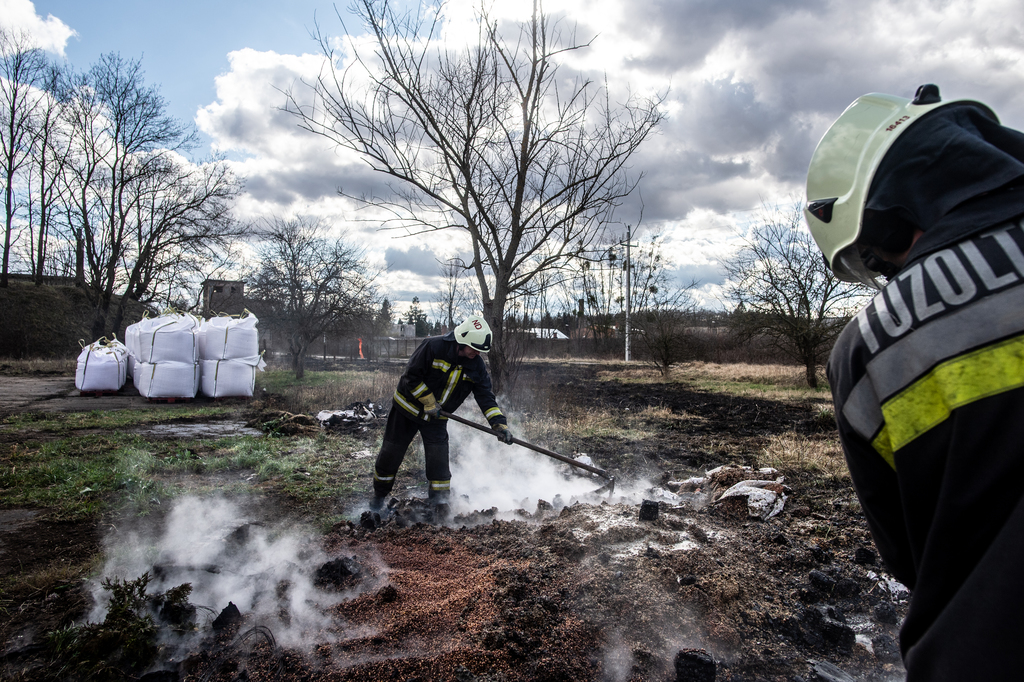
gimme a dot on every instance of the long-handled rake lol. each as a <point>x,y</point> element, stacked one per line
<point>608,487</point>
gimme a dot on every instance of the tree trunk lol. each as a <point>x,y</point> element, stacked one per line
<point>497,358</point>
<point>297,347</point>
<point>9,199</point>
<point>99,324</point>
<point>812,373</point>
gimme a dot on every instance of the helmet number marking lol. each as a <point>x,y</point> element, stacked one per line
<point>899,122</point>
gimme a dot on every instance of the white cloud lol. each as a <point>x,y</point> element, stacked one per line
<point>51,34</point>
<point>752,85</point>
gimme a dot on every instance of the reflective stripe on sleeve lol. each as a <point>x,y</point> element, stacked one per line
<point>406,405</point>
<point>959,381</point>
<point>420,390</point>
<point>441,365</point>
<point>883,446</point>
<point>492,413</point>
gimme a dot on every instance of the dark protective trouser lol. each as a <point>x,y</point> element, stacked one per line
<point>398,435</point>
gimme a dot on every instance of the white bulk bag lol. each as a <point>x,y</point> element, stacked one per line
<point>228,338</point>
<point>131,342</point>
<point>102,367</point>
<point>167,379</point>
<point>230,378</point>
<point>168,338</point>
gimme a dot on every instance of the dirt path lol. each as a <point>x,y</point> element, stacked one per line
<point>58,394</point>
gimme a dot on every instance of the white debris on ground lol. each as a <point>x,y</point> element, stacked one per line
<point>765,499</point>
<point>763,488</point>
<point>617,528</point>
<point>584,458</point>
<point>896,590</point>
<point>356,417</point>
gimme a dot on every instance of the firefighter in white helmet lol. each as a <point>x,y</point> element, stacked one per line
<point>928,379</point>
<point>442,372</point>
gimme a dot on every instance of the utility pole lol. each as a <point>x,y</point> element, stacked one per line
<point>629,284</point>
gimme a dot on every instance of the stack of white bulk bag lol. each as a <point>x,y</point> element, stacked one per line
<point>102,367</point>
<point>229,356</point>
<point>166,356</point>
<point>131,342</point>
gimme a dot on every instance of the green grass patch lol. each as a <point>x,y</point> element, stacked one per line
<point>111,420</point>
<point>76,475</point>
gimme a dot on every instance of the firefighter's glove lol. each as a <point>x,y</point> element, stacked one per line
<point>431,408</point>
<point>504,435</point>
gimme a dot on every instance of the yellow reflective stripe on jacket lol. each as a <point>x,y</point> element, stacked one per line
<point>957,382</point>
<point>492,413</point>
<point>419,390</point>
<point>409,407</point>
<point>453,381</point>
<point>441,365</point>
<point>883,446</point>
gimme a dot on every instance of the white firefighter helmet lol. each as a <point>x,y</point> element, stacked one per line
<point>843,166</point>
<point>475,333</point>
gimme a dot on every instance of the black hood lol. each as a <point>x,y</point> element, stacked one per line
<point>953,173</point>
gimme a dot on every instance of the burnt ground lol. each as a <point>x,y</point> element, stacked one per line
<point>587,591</point>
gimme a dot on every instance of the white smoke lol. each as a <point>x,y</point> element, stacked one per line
<point>488,473</point>
<point>492,474</point>
<point>266,571</point>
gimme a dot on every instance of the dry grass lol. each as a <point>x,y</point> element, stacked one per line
<point>330,390</point>
<point>47,580</point>
<point>772,375</point>
<point>38,366</point>
<point>794,452</point>
<point>769,382</point>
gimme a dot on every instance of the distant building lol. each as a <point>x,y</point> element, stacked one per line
<point>403,331</point>
<point>542,333</point>
<point>223,296</point>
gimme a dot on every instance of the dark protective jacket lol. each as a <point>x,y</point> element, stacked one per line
<point>928,381</point>
<point>436,367</point>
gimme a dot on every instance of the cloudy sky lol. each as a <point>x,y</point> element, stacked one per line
<point>752,85</point>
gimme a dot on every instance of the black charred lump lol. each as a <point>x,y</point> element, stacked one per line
<point>338,573</point>
<point>695,665</point>
<point>648,510</point>
<point>886,613</point>
<point>886,649</point>
<point>864,556</point>
<point>370,520</point>
<point>825,629</point>
<point>822,581</point>
<point>387,594</point>
<point>228,617</point>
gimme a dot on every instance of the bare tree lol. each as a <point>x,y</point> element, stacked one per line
<point>666,328</point>
<point>51,152</point>
<point>21,68</point>
<point>600,283</point>
<point>306,285</point>
<point>785,292</point>
<point>491,139</point>
<point>450,299</point>
<point>141,215</point>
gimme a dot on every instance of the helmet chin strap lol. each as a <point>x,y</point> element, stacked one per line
<point>875,263</point>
